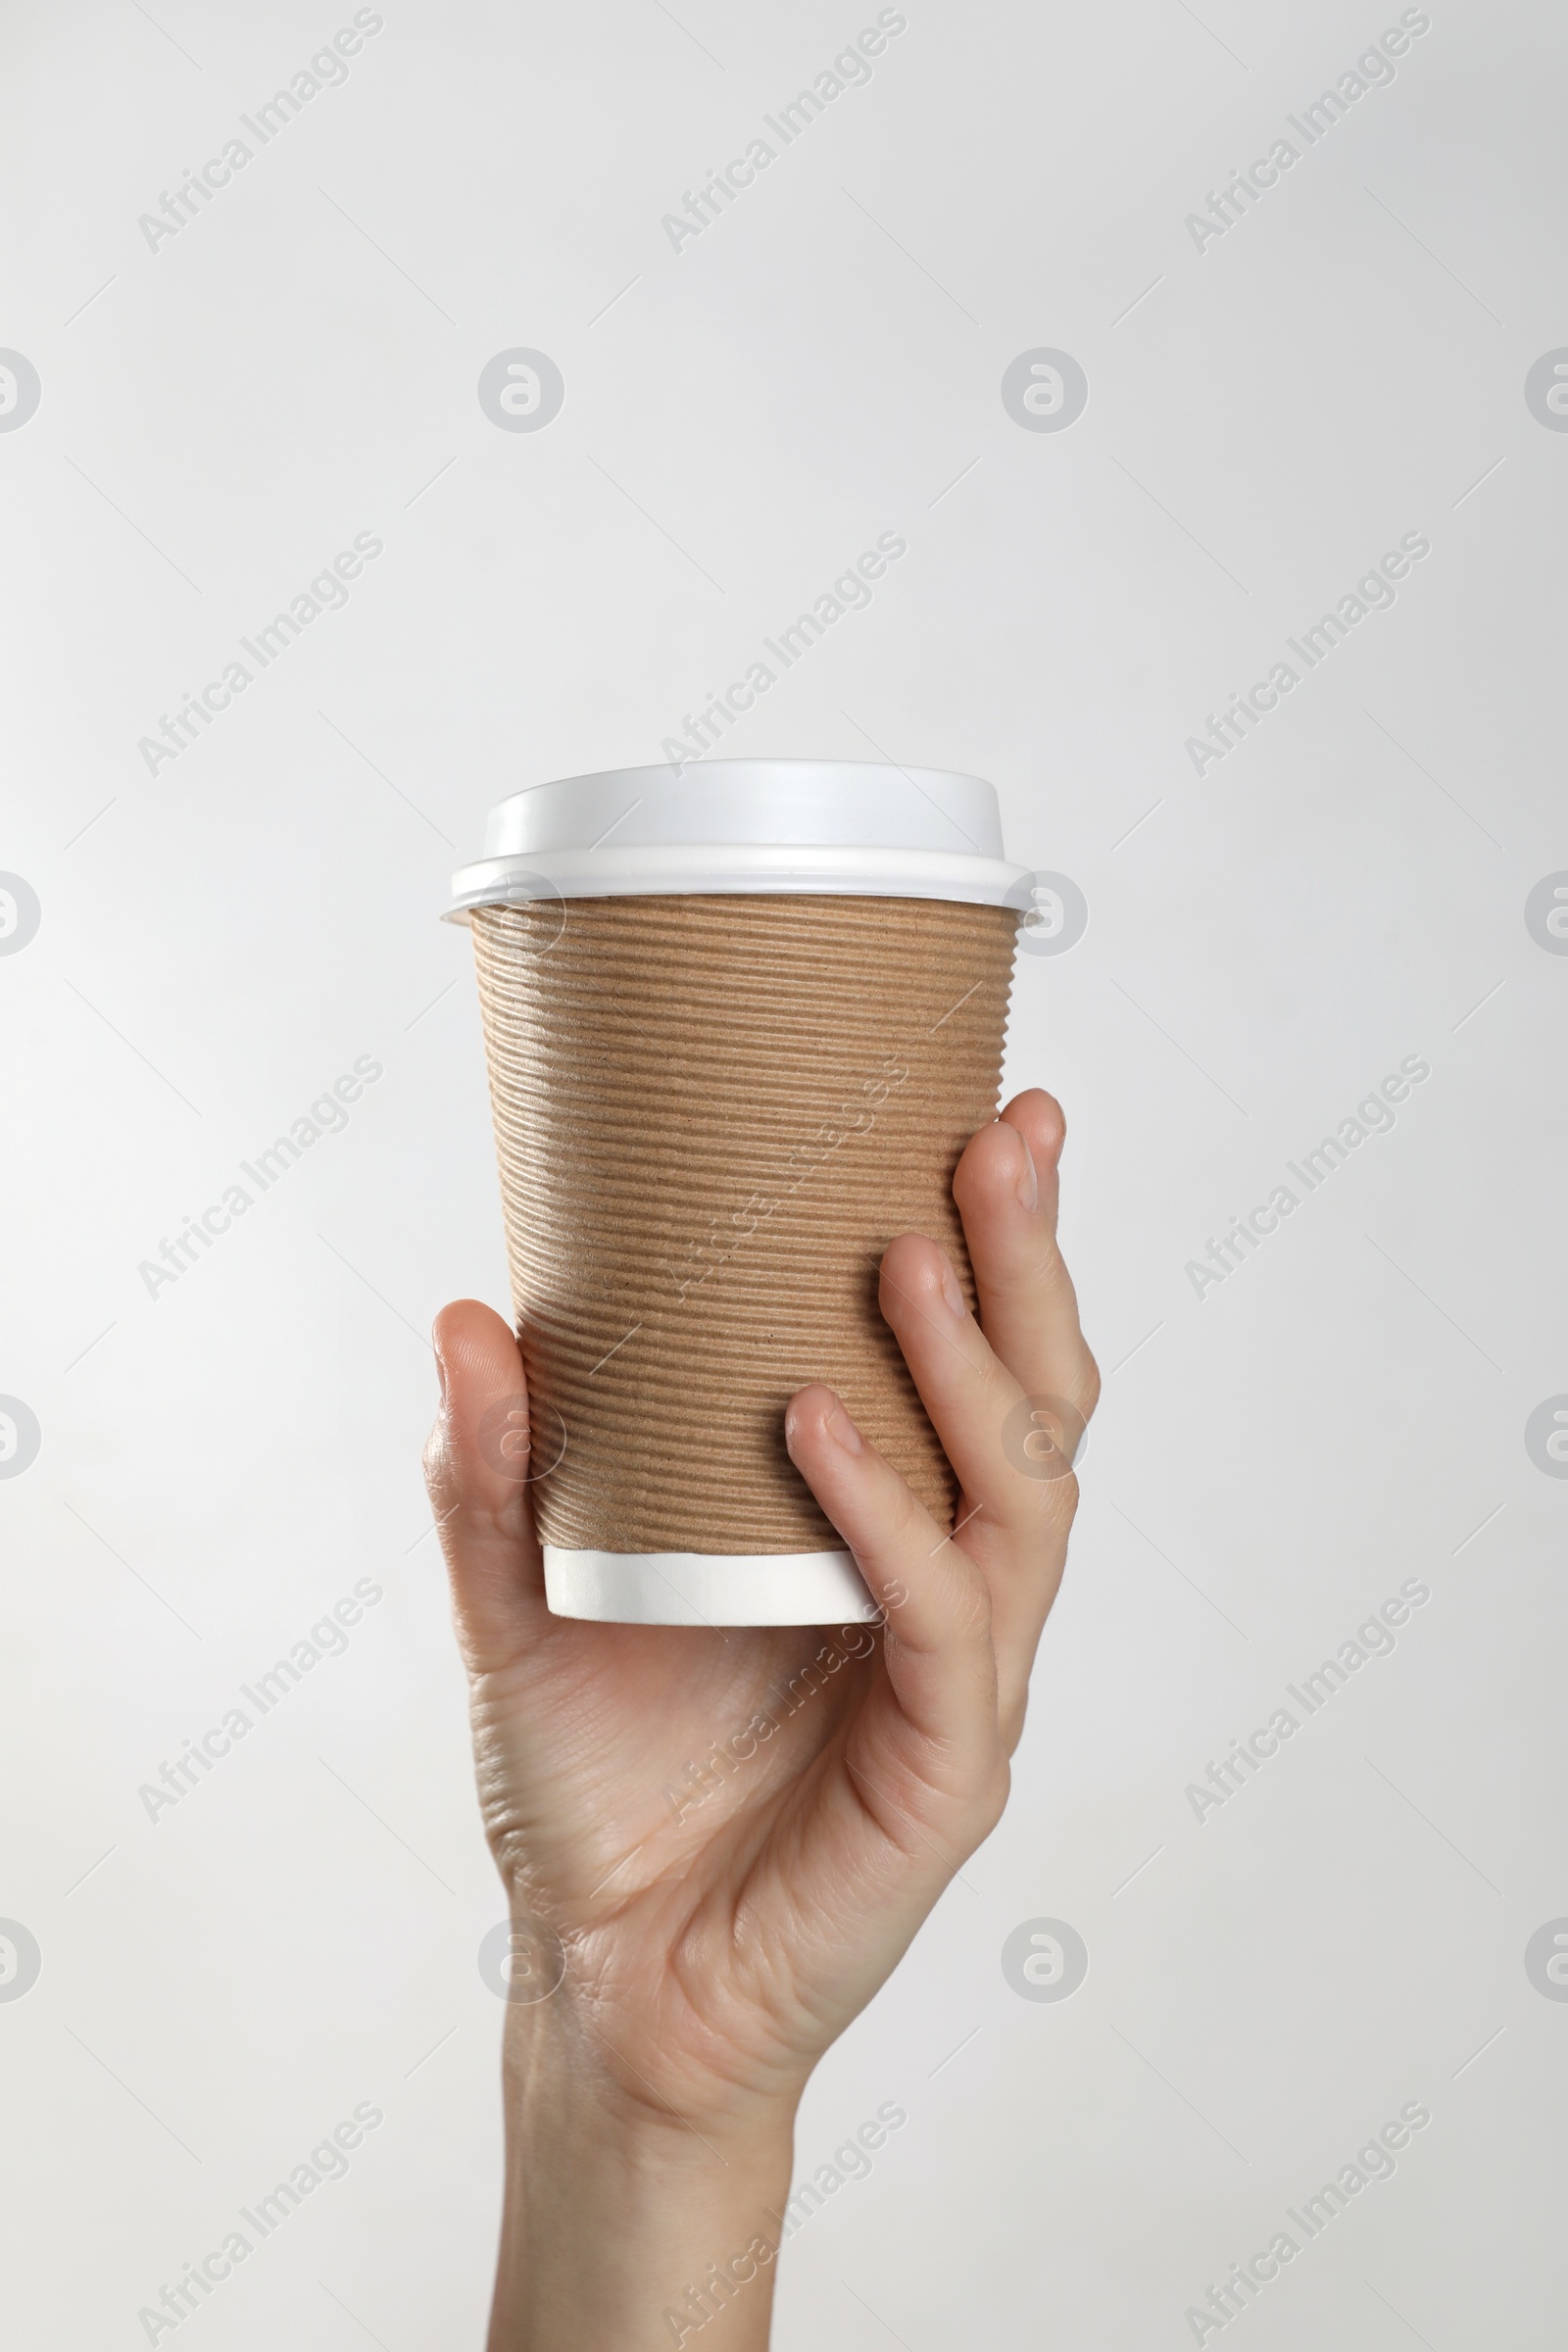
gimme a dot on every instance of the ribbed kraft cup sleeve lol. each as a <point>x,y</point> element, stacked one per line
<point>712,1114</point>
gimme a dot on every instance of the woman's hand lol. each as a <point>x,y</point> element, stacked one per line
<point>735,1833</point>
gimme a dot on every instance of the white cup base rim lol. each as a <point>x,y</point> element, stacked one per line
<point>705,1587</point>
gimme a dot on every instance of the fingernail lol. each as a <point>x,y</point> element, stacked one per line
<point>441,1375</point>
<point>952,1296</point>
<point>1028,1181</point>
<point>839,1425</point>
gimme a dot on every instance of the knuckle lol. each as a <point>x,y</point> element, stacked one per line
<point>1051,1268</point>
<point>1055,1502</point>
<point>965,1595</point>
<point>909,1518</point>
<point>1063,1496</point>
<point>992,1799</point>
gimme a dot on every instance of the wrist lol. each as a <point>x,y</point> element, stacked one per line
<point>626,2221</point>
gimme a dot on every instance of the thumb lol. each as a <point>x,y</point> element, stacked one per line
<point>479,1467</point>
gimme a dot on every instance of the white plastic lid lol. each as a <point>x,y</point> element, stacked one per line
<point>839,827</point>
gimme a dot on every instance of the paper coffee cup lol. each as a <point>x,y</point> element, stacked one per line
<point>740,1022</point>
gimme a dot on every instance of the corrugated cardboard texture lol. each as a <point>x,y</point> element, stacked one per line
<point>712,1115</point>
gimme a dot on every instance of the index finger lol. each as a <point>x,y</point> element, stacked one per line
<point>477,1469</point>
<point>1006,1191</point>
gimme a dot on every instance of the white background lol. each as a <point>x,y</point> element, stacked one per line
<point>220,940</point>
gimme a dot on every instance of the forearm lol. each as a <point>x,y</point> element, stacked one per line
<point>623,2226</point>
